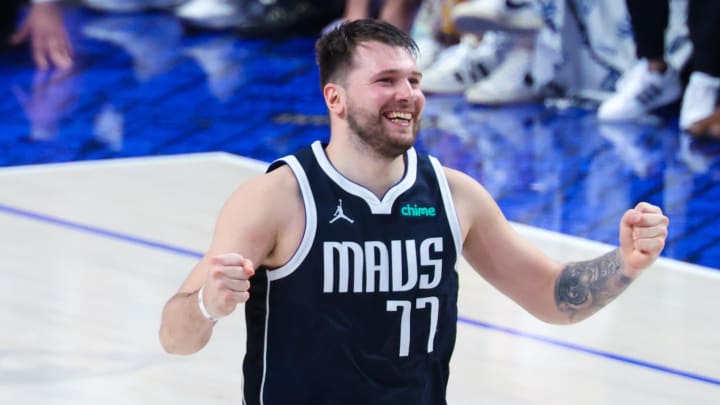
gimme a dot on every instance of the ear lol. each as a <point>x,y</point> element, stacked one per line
<point>335,99</point>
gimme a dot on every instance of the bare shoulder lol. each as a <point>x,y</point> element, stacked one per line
<point>262,220</point>
<point>264,216</point>
<point>280,182</point>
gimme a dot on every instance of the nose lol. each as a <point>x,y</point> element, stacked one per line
<point>405,90</point>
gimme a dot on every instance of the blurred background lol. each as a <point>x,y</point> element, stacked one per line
<point>525,96</point>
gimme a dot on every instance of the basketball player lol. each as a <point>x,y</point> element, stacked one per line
<point>344,253</point>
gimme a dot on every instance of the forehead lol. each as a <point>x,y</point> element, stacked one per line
<point>373,57</point>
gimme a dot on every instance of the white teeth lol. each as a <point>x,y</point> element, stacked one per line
<point>400,115</point>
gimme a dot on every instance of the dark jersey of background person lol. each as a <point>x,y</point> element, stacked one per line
<point>365,311</point>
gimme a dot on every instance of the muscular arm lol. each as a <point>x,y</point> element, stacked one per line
<point>583,288</point>
<point>551,291</point>
<point>184,329</point>
<point>256,225</point>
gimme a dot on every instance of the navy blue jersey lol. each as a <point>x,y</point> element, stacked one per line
<point>365,311</point>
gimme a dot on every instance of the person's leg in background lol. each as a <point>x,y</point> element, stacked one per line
<point>649,20</point>
<point>651,83</point>
<point>356,10</point>
<point>400,13</point>
<point>509,30</point>
<point>433,30</point>
<point>701,95</point>
<point>464,59</point>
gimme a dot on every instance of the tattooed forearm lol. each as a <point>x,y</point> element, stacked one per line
<point>583,288</point>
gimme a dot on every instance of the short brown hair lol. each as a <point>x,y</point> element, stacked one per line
<point>334,51</point>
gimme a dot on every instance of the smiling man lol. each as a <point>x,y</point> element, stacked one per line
<point>344,253</point>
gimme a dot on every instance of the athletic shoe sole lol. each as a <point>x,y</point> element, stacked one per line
<point>479,25</point>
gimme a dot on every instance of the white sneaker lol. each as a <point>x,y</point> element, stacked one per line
<point>508,83</point>
<point>497,15</point>
<point>429,49</point>
<point>212,14</point>
<point>699,99</point>
<point>640,91</point>
<point>462,65</point>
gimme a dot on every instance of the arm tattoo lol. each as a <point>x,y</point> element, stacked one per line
<point>583,288</point>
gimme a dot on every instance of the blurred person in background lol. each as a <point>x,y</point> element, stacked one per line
<point>654,82</point>
<point>42,27</point>
<point>560,52</point>
<point>490,64</point>
<point>399,13</point>
<point>709,126</point>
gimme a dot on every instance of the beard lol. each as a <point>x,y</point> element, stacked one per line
<point>370,129</point>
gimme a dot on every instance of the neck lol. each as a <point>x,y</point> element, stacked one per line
<point>359,163</point>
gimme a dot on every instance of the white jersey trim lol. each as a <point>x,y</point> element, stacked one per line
<point>450,211</point>
<point>310,222</point>
<point>265,343</point>
<point>376,205</point>
<point>297,258</point>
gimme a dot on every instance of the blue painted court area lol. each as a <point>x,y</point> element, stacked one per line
<point>143,86</point>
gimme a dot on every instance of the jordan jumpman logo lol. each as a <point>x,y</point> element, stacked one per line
<point>340,214</point>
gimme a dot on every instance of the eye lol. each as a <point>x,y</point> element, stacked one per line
<point>385,80</point>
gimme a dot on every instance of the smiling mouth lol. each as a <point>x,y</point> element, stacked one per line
<point>399,117</point>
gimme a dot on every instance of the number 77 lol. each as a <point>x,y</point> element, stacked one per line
<point>405,307</point>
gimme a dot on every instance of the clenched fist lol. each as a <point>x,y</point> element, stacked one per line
<point>643,231</point>
<point>227,284</point>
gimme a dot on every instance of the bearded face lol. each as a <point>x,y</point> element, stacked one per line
<point>384,101</point>
<point>390,131</point>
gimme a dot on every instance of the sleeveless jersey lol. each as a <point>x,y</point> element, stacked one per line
<point>365,311</point>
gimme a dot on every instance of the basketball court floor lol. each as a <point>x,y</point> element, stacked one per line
<point>112,175</point>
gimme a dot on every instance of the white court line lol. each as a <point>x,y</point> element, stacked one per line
<point>252,164</point>
<point>544,237</point>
